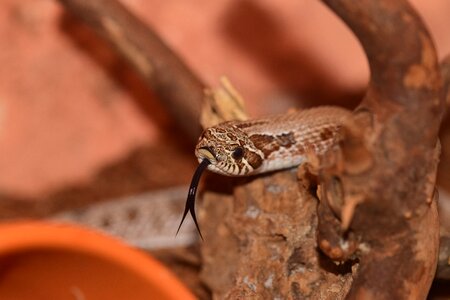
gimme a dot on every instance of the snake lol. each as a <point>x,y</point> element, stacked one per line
<point>263,145</point>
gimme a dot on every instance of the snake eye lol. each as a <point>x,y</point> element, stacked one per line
<point>238,153</point>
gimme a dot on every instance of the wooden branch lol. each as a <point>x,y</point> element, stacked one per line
<point>387,170</point>
<point>178,88</point>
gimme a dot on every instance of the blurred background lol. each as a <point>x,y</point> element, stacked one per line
<point>79,128</point>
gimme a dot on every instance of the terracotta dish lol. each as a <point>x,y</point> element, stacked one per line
<point>53,261</point>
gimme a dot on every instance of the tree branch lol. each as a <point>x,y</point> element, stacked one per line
<point>178,88</point>
<point>388,169</point>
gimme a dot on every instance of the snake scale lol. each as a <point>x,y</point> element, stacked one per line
<point>243,148</point>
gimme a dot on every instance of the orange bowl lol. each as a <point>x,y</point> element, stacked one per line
<point>41,260</point>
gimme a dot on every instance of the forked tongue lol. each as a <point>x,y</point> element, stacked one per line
<point>190,201</point>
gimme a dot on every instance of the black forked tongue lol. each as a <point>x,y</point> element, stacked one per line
<point>190,201</point>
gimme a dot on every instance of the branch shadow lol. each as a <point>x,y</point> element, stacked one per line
<point>259,34</point>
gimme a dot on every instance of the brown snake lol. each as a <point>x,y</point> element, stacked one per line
<point>242,148</point>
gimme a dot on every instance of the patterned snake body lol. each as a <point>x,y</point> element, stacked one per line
<point>241,148</point>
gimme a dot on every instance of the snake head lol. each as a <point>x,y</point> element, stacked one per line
<point>229,151</point>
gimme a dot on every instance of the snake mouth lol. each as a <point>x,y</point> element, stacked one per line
<point>206,152</point>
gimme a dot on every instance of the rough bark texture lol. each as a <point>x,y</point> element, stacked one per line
<point>379,184</point>
<point>261,243</point>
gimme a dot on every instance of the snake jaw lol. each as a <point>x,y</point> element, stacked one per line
<point>229,150</point>
<point>206,153</point>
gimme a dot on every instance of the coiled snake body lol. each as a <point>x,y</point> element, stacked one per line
<point>242,148</point>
